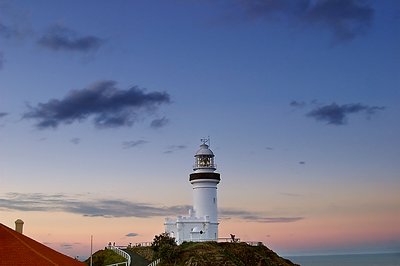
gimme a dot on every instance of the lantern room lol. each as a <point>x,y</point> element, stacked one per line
<point>204,158</point>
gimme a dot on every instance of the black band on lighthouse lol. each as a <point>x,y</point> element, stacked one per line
<point>214,176</point>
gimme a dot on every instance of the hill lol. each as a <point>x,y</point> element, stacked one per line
<point>105,257</point>
<point>213,253</point>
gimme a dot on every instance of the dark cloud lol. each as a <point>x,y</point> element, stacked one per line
<point>255,217</point>
<point>66,246</point>
<point>266,9</point>
<point>272,219</point>
<point>302,162</point>
<point>87,207</point>
<point>174,148</point>
<point>131,234</point>
<point>59,38</point>
<point>3,114</point>
<point>133,143</point>
<point>121,208</point>
<point>335,114</point>
<point>291,194</point>
<point>5,31</point>
<point>158,123</point>
<point>9,32</point>
<point>108,105</point>
<point>297,104</point>
<point>345,19</point>
<point>75,141</point>
<point>109,208</point>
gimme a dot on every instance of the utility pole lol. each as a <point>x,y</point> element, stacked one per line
<point>91,250</point>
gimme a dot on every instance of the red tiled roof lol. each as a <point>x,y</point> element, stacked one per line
<point>17,249</point>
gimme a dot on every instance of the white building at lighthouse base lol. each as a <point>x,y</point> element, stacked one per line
<point>191,228</point>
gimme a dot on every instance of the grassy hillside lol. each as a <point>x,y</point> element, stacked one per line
<point>212,253</point>
<point>201,254</point>
<point>145,252</point>
<point>105,257</point>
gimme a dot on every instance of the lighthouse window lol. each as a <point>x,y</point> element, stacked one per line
<point>203,161</point>
<point>214,200</point>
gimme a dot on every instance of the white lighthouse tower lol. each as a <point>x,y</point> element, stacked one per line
<point>202,222</point>
<point>205,181</point>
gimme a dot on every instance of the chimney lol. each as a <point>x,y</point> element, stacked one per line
<point>19,225</point>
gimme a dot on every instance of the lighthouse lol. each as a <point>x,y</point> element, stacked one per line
<point>202,222</point>
<point>204,180</point>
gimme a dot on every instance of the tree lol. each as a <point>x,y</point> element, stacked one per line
<point>161,240</point>
<point>165,248</point>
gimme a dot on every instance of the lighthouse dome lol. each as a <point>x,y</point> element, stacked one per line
<point>204,150</point>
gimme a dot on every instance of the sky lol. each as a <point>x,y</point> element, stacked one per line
<point>103,105</point>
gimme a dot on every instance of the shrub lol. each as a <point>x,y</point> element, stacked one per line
<point>162,239</point>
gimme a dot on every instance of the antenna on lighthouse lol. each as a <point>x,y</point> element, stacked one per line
<point>206,140</point>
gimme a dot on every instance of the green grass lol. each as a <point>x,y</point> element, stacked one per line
<point>226,254</point>
<point>105,257</point>
<point>209,253</point>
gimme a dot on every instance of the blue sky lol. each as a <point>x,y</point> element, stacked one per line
<point>109,99</point>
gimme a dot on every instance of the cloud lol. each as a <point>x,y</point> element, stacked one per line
<point>108,105</point>
<point>255,9</point>
<point>131,234</point>
<point>335,114</point>
<point>255,217</point>
<point>297,104</point>
<point>109,208</point>
<point>3,114</point>
<point>174,148</point>
<point>291,194</point>
<point>158,123</point>
<point>133,143</point>
<point>5,31</point>
<point>345,19</point>
<point>302,162</point>
<point>273,219</point>
<point>60,38</point>
<point>9,32</point>
<point>66,246</point>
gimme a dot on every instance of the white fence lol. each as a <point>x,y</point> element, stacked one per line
<point>121,253</point>
<point>154,263</point>
<point>125,263</point>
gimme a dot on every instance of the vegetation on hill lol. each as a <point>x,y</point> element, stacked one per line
<point>204,254</point>
<point>209,253</point>
<point>145,252</point>
<point>213,253</point>
<point>105,257</point>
